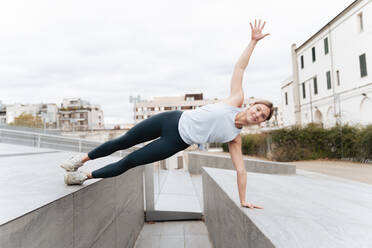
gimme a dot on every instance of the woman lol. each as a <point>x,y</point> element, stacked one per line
<point>177,130</point>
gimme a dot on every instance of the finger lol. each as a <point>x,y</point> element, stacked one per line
<point>255,23</point>
<point>251,26</point>
<point>258,207</point>
<point>265,35</point>
<point>259,24</point>
<point>263,25</point>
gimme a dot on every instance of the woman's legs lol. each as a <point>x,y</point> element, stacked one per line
<point>146,130</point>
<point>157,150</point>
<point>170,142</point>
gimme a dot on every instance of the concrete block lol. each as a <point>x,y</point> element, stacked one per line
<point>198,160</point>
<point>49,226</point>
<point>302,210</point>
<point>128,226</point>
<point>130,207</point>
<point>128,192</point>
<point>107,238</point>
<point>94,211</point>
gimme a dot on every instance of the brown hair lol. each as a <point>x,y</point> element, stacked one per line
<point>267,104</point>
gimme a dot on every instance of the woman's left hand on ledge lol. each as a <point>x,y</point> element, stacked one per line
<point>249,205</point>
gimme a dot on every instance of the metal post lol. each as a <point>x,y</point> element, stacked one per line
<point>79,145</point>
<point>38,140</point>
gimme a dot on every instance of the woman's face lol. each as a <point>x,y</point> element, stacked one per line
<point>257,113</point>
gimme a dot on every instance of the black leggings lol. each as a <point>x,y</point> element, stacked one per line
<point>163,125</point>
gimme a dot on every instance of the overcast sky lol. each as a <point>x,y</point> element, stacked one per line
<point>105,51</point>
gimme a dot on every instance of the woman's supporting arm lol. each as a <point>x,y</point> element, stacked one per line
<point>235,149</point>
<point>241,64</point>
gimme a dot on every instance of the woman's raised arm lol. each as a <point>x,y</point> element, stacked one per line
<point>237,77</point>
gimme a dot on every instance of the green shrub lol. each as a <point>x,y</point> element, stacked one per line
<point>310,142</point>
<point>366,143</point>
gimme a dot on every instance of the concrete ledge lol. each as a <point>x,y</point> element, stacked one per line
<point>302,210</point>
<point>39,210</point>
<point>198,159</point>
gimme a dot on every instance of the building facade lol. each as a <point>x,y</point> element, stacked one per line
<point>332,72</point>
<point>76,114</point>
<point>46,111</point>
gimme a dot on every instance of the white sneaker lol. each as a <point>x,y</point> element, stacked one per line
<point>76,177</point>
<point>73,163</point>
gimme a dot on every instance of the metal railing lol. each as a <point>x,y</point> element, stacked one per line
<point>41,140</point>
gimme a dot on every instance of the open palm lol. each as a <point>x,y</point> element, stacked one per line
<point>257,31</point>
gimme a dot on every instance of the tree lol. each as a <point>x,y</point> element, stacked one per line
<point>27,120</point>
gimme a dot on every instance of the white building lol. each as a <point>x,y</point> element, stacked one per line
<point>332,72</point>
<point>287,102</point>
<point>77,114</point>
<point>46,111</point>
<point>146,109</point>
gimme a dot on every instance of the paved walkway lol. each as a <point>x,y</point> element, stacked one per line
<point>359,172</point>
<point>174,234</point>
<point>349,170</point>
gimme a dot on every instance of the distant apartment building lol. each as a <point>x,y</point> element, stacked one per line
<point>146,109</point>
<point>332,72</point>
<point>46,111</point>
<point>2,113</point>
<point>76,114</point>
<point>287,102</point>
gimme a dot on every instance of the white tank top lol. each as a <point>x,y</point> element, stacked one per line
<point>210,123</point>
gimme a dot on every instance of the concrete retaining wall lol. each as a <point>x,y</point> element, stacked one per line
<point>197,160</point>
<point>107,213</point>
<point>227,225</point>
<point>303,210</point>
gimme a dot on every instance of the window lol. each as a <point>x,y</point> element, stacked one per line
<point>338,77</point>
<point>360,21</point>
<point>302,61</point>
<point>326,46</point>
<point>313,53</point>
<point>286,98</point>
<point>303,91</point>
<point>328,74</point>
<point>363,65</point>
<point>315,81</point>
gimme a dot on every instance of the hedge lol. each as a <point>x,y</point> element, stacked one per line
<point>310,142</point>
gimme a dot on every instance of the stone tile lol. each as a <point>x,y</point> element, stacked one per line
<point>172,241</point>
<point>172,228</point>
<point>153,242</point>
<point>150,230</point>
<point>195,227</point>
<point>197,241</point>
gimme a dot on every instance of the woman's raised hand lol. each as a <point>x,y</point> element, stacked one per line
<point>257,30</point>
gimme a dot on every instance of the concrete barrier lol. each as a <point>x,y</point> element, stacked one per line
<point>196,160</point>
<point>302,210</point>
<point>38,210</point>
